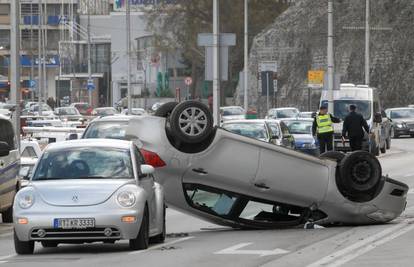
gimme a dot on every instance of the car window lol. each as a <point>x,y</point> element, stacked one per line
<point>7,133</point>
<point>274,127</point>
<point>232,111</point>
<point>299,127</point>
<point>29,152</point>
<point>85,163</point>
<point>287,113</point>
<point>285,129</point>
<point>252,130</point>
<point>210,201</point>
<point>108,130</point>
<point>402,114</point>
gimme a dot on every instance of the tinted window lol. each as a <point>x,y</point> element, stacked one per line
<point>218,203</point>
<point>299,127</point>
<point>253,130</point>
<point>7,133</point>
<point>341,108</point>
<point>85,163</point>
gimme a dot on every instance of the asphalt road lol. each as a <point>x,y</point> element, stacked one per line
<point>192,242</point>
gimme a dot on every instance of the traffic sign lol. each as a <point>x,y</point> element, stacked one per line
<point>188,81</point>
<point>91,85</point>
<point>316,78</point>
<point>32,83</point>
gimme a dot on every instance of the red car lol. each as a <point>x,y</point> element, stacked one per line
<point>84,108</point>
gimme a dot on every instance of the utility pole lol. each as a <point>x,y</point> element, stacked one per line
<point>31,52</point>
<point>128,27</point>
<point>331,62</point>
<point>89,53</point>
<point>15,64</point>
<point>216,62</point>
<point>367,42</point>
<point>246,54</point>
<point>39,57</point>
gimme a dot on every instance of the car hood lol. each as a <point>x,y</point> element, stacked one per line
<point>77,192</point>
<point>406,120</point>
<point>303,138</point>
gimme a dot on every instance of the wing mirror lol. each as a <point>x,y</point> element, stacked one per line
<point>73,136</point>
<point>378,118</point>
<point>4,149</point>
<point>146,170</point>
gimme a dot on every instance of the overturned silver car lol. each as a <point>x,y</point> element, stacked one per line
<point>242,182</point>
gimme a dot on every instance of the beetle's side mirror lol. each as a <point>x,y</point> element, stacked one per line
<point>146,170</point>
<point>378,118</point>
<point>4,149</point>
<point>73,136</point>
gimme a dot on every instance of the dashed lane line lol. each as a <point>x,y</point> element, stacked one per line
<point>162,245</point>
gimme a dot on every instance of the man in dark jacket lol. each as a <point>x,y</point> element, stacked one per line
<point>354,126</point>
<point>323,129</point>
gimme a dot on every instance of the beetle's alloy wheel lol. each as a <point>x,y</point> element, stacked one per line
<point>193,121</point>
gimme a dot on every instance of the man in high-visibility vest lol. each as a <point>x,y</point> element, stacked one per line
<point>323,129</point>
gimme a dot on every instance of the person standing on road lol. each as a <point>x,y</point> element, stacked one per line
<point>323,129</point>
<point>354,126</point>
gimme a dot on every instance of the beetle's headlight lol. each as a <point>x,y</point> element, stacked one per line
<point>26,200</point>
<point>126,199</point>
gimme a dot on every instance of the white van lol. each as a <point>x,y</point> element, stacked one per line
<point>9,169</point>
<point>368,104</point>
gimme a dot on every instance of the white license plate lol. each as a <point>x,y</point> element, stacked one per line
<point>81,223</point>
<point>412,130</point>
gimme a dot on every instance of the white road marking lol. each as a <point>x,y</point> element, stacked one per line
<point>162,245</point>
<point>6,235</point>
<point>4,259</point>
<point>236,250</point>
<point>411,191</point>
<point>357,248</point>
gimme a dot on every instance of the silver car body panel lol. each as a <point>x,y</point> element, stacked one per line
<point>95,198</point>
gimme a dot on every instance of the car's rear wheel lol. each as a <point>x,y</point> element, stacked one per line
<point>165,110</point>
<point>23,247</point>
<point>142,240</point>
<point>161,237</point>
<point>360,176</point>
<point>191,122</point>
<point>49,244</point>
<point>7,216</point>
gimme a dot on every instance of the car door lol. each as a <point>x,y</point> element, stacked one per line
<point>147,183</point>
<point>9,165</point>
<point>230,163</point>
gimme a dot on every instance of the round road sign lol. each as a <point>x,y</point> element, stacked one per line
<point>188,81</point>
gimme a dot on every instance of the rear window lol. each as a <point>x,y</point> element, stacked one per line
<point>107,130</point>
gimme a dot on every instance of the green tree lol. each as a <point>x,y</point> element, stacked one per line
<point>177,26</point>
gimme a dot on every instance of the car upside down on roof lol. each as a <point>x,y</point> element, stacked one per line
<point>238,181</point>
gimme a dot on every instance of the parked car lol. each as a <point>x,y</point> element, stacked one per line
<point>135,111</point>
<point>102,112</point>
<point>90,191</point>
<point>270,131</point>
<point>402,121</point>
<point>301,130</point>
<point>84,108</point>
<point>282,113</point>
<point>34,110</point>
<point>68,113</point>
<point>9,168</point>
<point>232,113</point>
<point>238,181</point>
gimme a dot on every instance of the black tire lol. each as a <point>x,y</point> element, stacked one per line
<point>165,110</point>
<point>188,128</point>
<point>394,135</point>
<point>142,240</point>
<point>334,155</point>
<point>388,143</point>
<point>360,174</point>
<point>8,215</point>
<point>49,244</point>
<point>161,237</point>
<point>23,247</point>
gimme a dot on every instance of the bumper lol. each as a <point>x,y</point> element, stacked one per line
<point>104,220</point>
<point>404,131</point>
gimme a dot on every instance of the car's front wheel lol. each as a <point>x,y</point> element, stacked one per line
<point>142,240</point>
<point>23,247</point>
<point>161,237</point>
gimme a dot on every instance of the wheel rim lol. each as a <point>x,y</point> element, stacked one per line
<point>193,121</point>
<point>361,172</point>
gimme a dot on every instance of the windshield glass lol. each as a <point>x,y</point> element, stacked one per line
<point>67,111</point>
<point>109,130</point>
<point>299,127</point>
<point>341,108</point>
<point>232,111</point>
<point>285,113</point>
<point>402,114</point>
<point>85,163</point>
<point>107,111</point>
<point>253,130</point>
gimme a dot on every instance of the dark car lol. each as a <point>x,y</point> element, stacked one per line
<point>402,121</point>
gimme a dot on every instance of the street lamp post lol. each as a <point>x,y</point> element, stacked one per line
<point>128,36</point>
<point>216,63</point>
<point>367,42</point>
<point>89,53</point>
<point>246,54</point>
<point>331,62</point>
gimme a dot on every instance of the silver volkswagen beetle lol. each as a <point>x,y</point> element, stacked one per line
<point>238,181</point>
<point>90,191</point>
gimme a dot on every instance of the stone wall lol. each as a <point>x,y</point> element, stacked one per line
<point>298,41</point>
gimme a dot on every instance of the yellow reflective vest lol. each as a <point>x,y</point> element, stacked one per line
<point>324,123</point>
